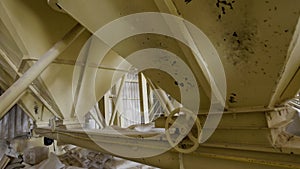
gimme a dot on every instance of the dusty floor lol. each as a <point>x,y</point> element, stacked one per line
<point>32,154</point>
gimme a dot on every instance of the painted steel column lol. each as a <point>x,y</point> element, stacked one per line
<point>9,97</point>
<point>142,96</point>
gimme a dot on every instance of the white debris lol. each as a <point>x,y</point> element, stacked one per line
<point>51,163</point>
<point>72,158</point>
<point>79,157</point>
<point>84,158</point>
<point>35,155</point>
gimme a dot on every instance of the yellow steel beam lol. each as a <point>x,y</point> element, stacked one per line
<point>11,94</point>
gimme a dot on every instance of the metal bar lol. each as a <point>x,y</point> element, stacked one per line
<point>24,108</point>
<point>80,80</point>
<point>251,109</point>
<point>10,95</point>
<point>100,116</point>
<point>143,98</point>
<point>165,102</point>
<point>151,111</point>
<point>294,105</point>
<point>113,115</point>
<point>289,73</point>
<point>34,91</point>
<point>71,62</point>
<point>96,115</point>
<point>20,103</point>
<point>161,100</point>
<point>3,85</point>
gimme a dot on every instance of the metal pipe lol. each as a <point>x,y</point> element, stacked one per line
<point>163,98</point>
<point>170,159</point>
<point>72,63</point>
<point>9,97</point>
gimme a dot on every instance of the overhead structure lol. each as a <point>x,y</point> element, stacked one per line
<point>118,76</point>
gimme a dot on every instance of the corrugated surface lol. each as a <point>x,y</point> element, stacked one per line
<point>15,123</point>
<point>130,114</point>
